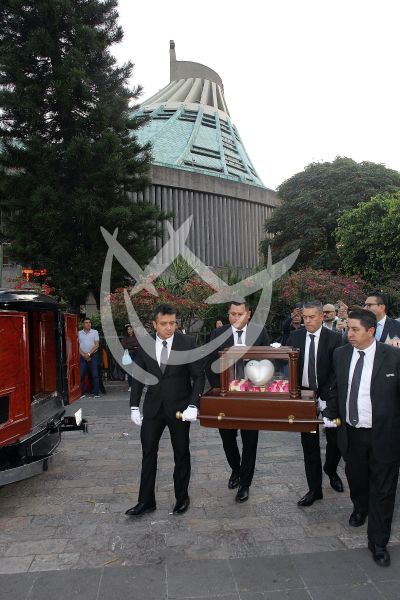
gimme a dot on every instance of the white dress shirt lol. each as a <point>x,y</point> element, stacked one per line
<point>364,393</point>
<point>330,324</point>
<point>304,379</point>
<point>235,335</point>
<point>159,347</point>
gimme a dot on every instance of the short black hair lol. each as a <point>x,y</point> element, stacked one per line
<point>239,302</point>
<point>163,309</point>
<point>381,298</point>
<point>314,304</point>
<point>366,317</point>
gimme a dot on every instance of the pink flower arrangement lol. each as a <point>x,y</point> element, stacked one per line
<point>244,385</point>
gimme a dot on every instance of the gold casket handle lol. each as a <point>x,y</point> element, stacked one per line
<point>220,416</point>
<point>291,419</point>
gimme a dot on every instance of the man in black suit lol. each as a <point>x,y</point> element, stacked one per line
<point>241,333</point>
<point>173,392</point>
<point>386,327</point>
<point>317,344</point>
<point>366,397</point>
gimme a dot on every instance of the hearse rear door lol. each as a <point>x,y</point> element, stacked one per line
<point>72,356</point>
<point>15,393</point>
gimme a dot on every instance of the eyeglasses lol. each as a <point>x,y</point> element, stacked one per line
<point>366,305</point>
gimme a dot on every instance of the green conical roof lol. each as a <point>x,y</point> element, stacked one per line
<point>190,126</point>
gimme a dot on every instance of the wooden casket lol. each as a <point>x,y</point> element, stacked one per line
<point>245,403</point>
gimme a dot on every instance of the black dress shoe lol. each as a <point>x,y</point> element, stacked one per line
<point>242,493</point>
<point>357,519</point>
<point>181,506</point>
<point>233,480</point>
<point>336,483</point>
<point>380,555</point>
<point>310,498</point>
<point>140,509</point>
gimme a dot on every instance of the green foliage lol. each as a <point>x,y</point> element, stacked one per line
<point>70,159</point>
<point>369,238</point>
<point>390,286</point>
<point>314,199</point>
<point>177,276</point>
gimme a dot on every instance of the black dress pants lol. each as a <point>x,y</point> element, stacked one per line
<point>244,466</point>
<point>372,484</point>
<point>150,434</point>
<point>312,456</point>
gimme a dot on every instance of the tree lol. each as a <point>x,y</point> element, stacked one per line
<point>189,304</point>
<point>368,238</point>
<point>69,158</point>
<point>314,284</point>
<point>313,200</point>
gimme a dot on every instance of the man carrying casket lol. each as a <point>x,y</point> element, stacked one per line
<point>316,345</point>
<point>241,332</point>
<point>366,397</point>
<point>178,388</point>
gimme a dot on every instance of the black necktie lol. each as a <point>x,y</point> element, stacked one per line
<point>312,378</point>
<point>164,356</point>
<point>354,389</point>
<point>239,364</point>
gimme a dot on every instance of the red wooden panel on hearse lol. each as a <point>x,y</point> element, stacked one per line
<point>43,353</point>
<point>15,396</point>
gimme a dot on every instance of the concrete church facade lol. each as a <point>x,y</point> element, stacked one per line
<point>201,168</point>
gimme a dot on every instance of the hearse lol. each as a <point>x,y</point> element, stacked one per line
<point>39,378</point>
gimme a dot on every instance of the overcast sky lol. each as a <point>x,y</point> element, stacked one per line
<point>304,80</point>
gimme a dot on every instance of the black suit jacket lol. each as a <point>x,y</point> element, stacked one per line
<point>257,332</point>
<point>391,329</point>
<point>385,399</point>
<point>328,342</point>
<point>179,385</point>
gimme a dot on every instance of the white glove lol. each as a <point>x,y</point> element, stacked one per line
<point>190,413</point>
<point>136,417</point>
<point>321,405</point>
<point>328,422</point>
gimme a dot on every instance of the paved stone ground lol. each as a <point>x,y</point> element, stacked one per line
<point>64,533</point>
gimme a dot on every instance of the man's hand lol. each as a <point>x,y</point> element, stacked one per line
<point>136,417</point>
<point>321,404</point>
<point>343,311</point>
<point>328,423</point>
<point>190,413</point>
<point>341,324</point>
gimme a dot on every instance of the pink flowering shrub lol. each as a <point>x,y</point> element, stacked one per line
<point>314,284</point>
<point>189,303</point>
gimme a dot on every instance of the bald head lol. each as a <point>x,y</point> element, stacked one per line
<point>329,312</point>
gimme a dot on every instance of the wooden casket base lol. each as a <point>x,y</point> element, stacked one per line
<point>277,412</point>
